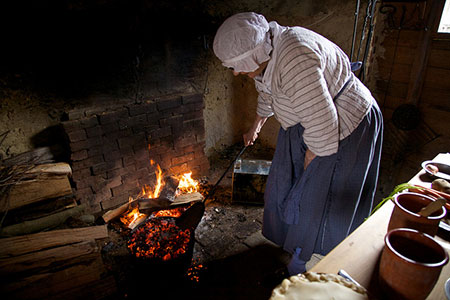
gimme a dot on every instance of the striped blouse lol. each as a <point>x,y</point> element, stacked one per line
<point>306,71</point>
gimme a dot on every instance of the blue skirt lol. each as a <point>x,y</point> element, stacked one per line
<point>316,208</point>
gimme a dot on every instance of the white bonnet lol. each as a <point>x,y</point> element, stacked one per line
<point>243,42</point>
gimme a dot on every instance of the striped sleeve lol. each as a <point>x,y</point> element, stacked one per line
<point>303,82</point>
<point>264,107</point>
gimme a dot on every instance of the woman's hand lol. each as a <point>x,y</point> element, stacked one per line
<point>309,156</point>
<point>251,135</point>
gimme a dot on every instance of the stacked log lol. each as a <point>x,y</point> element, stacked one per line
<point>40,258</point>
<point>35,193</point>
<point>59,264</point>
<point>38,183</point>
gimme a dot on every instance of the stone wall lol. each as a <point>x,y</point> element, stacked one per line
<point>115,149</point>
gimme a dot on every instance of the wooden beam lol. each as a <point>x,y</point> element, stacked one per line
<point>422,53</point>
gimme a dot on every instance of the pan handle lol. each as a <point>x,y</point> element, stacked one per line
<point>213,190</point>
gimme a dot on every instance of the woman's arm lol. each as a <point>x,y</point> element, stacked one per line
<point>309,156</point>
<point>251,135</point>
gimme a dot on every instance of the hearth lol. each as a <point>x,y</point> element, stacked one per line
<point>113,146</point>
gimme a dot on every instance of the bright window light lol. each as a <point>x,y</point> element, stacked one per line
<point>444,25</point>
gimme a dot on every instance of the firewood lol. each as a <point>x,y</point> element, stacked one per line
<point>103,288</point>
<point>149,205</point>
<point>36,156</point>
<point>19,245</point>
<point>116,212</point>
<point>45,258</point>
<point>53,282</point>
<point>169,189</point>
<point>35,184</point>
<point>137,222</point>
<point>166,197</point>
<point>52,169</point>
<point>40,209</point>
<point>187,198</point>
<point>41,223</point>
<point>158,203</point>
<point>161,203</point>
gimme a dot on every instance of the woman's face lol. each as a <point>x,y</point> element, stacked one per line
<point>254,73</point>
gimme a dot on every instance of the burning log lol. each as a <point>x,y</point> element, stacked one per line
<point>188,198</point>
<point>152,204</point>
<point>165,199</point>
<point>114,213</point>
<point>169,189</point>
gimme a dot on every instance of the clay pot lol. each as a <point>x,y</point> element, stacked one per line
<point>406,213</point>
<point>410,265</point>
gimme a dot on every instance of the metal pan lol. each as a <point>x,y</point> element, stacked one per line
<point>193,215</point>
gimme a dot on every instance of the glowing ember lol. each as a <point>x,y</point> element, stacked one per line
<point>132,216</point>
<point>187,184</point>
<point>193,272</point>
<point>175,213</point>
<point>159,238</point>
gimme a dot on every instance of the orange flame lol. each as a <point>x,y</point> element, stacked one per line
<point>187,184</point>
<point>131,216</point>
<point>159,182</point>
<point>147,191</point>
<point>175,212</point>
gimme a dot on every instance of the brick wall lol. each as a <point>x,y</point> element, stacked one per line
<point>112,146</point>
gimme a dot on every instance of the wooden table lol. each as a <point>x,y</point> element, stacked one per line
<point>360,252</point>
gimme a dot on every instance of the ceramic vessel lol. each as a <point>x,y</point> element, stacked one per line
<point>406,213</point>
<point>410,264</point>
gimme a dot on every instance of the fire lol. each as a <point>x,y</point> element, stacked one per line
<point>175,213</point>
<point>132,216</point>
<point>160,239</point>
<point>147,191</point>
<point>187,184</point>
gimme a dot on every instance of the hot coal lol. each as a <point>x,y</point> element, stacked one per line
<point>159,238</point>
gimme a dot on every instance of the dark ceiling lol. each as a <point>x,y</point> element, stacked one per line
<point>69,46</point>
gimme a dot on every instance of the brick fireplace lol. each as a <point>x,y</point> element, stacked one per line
<point>112,146</point>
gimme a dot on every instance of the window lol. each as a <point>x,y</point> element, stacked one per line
<point>444,25</point>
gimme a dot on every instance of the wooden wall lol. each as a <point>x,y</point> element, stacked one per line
<point>414,69</point>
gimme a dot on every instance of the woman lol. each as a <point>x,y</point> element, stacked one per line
<point>325,167</point>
